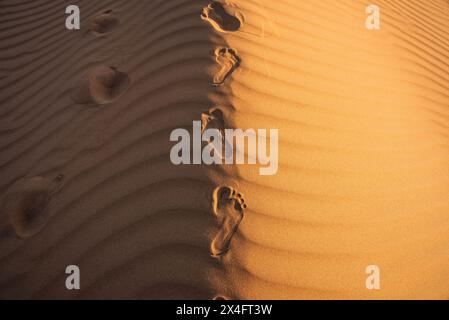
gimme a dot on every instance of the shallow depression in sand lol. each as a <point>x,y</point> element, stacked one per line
<point>27,203</point>
<point>229,207</point>
<point>104,23</point>
<point>220,19</point>
<point>102,85</point>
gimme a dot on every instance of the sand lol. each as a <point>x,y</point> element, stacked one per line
<point>86,177</point>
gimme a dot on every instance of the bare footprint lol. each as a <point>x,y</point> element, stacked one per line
<point>213,118</point>
<point>101,85</point>
<point>103,23</point>
<point>26,203</point>
<point>229,207</point>
<point>229,61</point>
<point>220,19</point>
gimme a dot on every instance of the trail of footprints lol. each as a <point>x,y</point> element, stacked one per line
<point>26,202</point>
<point>220,19</point>
<point>102,84</point>
<point>223,21</point>
<point>228,204</point>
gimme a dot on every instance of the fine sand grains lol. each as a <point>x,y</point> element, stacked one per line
<point>98,105</point>
<point>363,129</point>
<point>86,177</point>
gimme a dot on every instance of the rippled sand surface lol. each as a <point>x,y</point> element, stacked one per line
<point>86,176</point>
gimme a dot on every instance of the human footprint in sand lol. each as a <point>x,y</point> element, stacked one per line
<point>229,207</point>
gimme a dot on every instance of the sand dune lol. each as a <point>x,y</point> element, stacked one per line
<point>85,121</point>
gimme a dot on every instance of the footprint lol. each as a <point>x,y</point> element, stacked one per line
<point>228,207</point>
<point>102,85</point>
<point>213,118</point>
<point>228,61</point>
<point>26,203</point>
<point>103,23</point>
<point>220,19</point>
